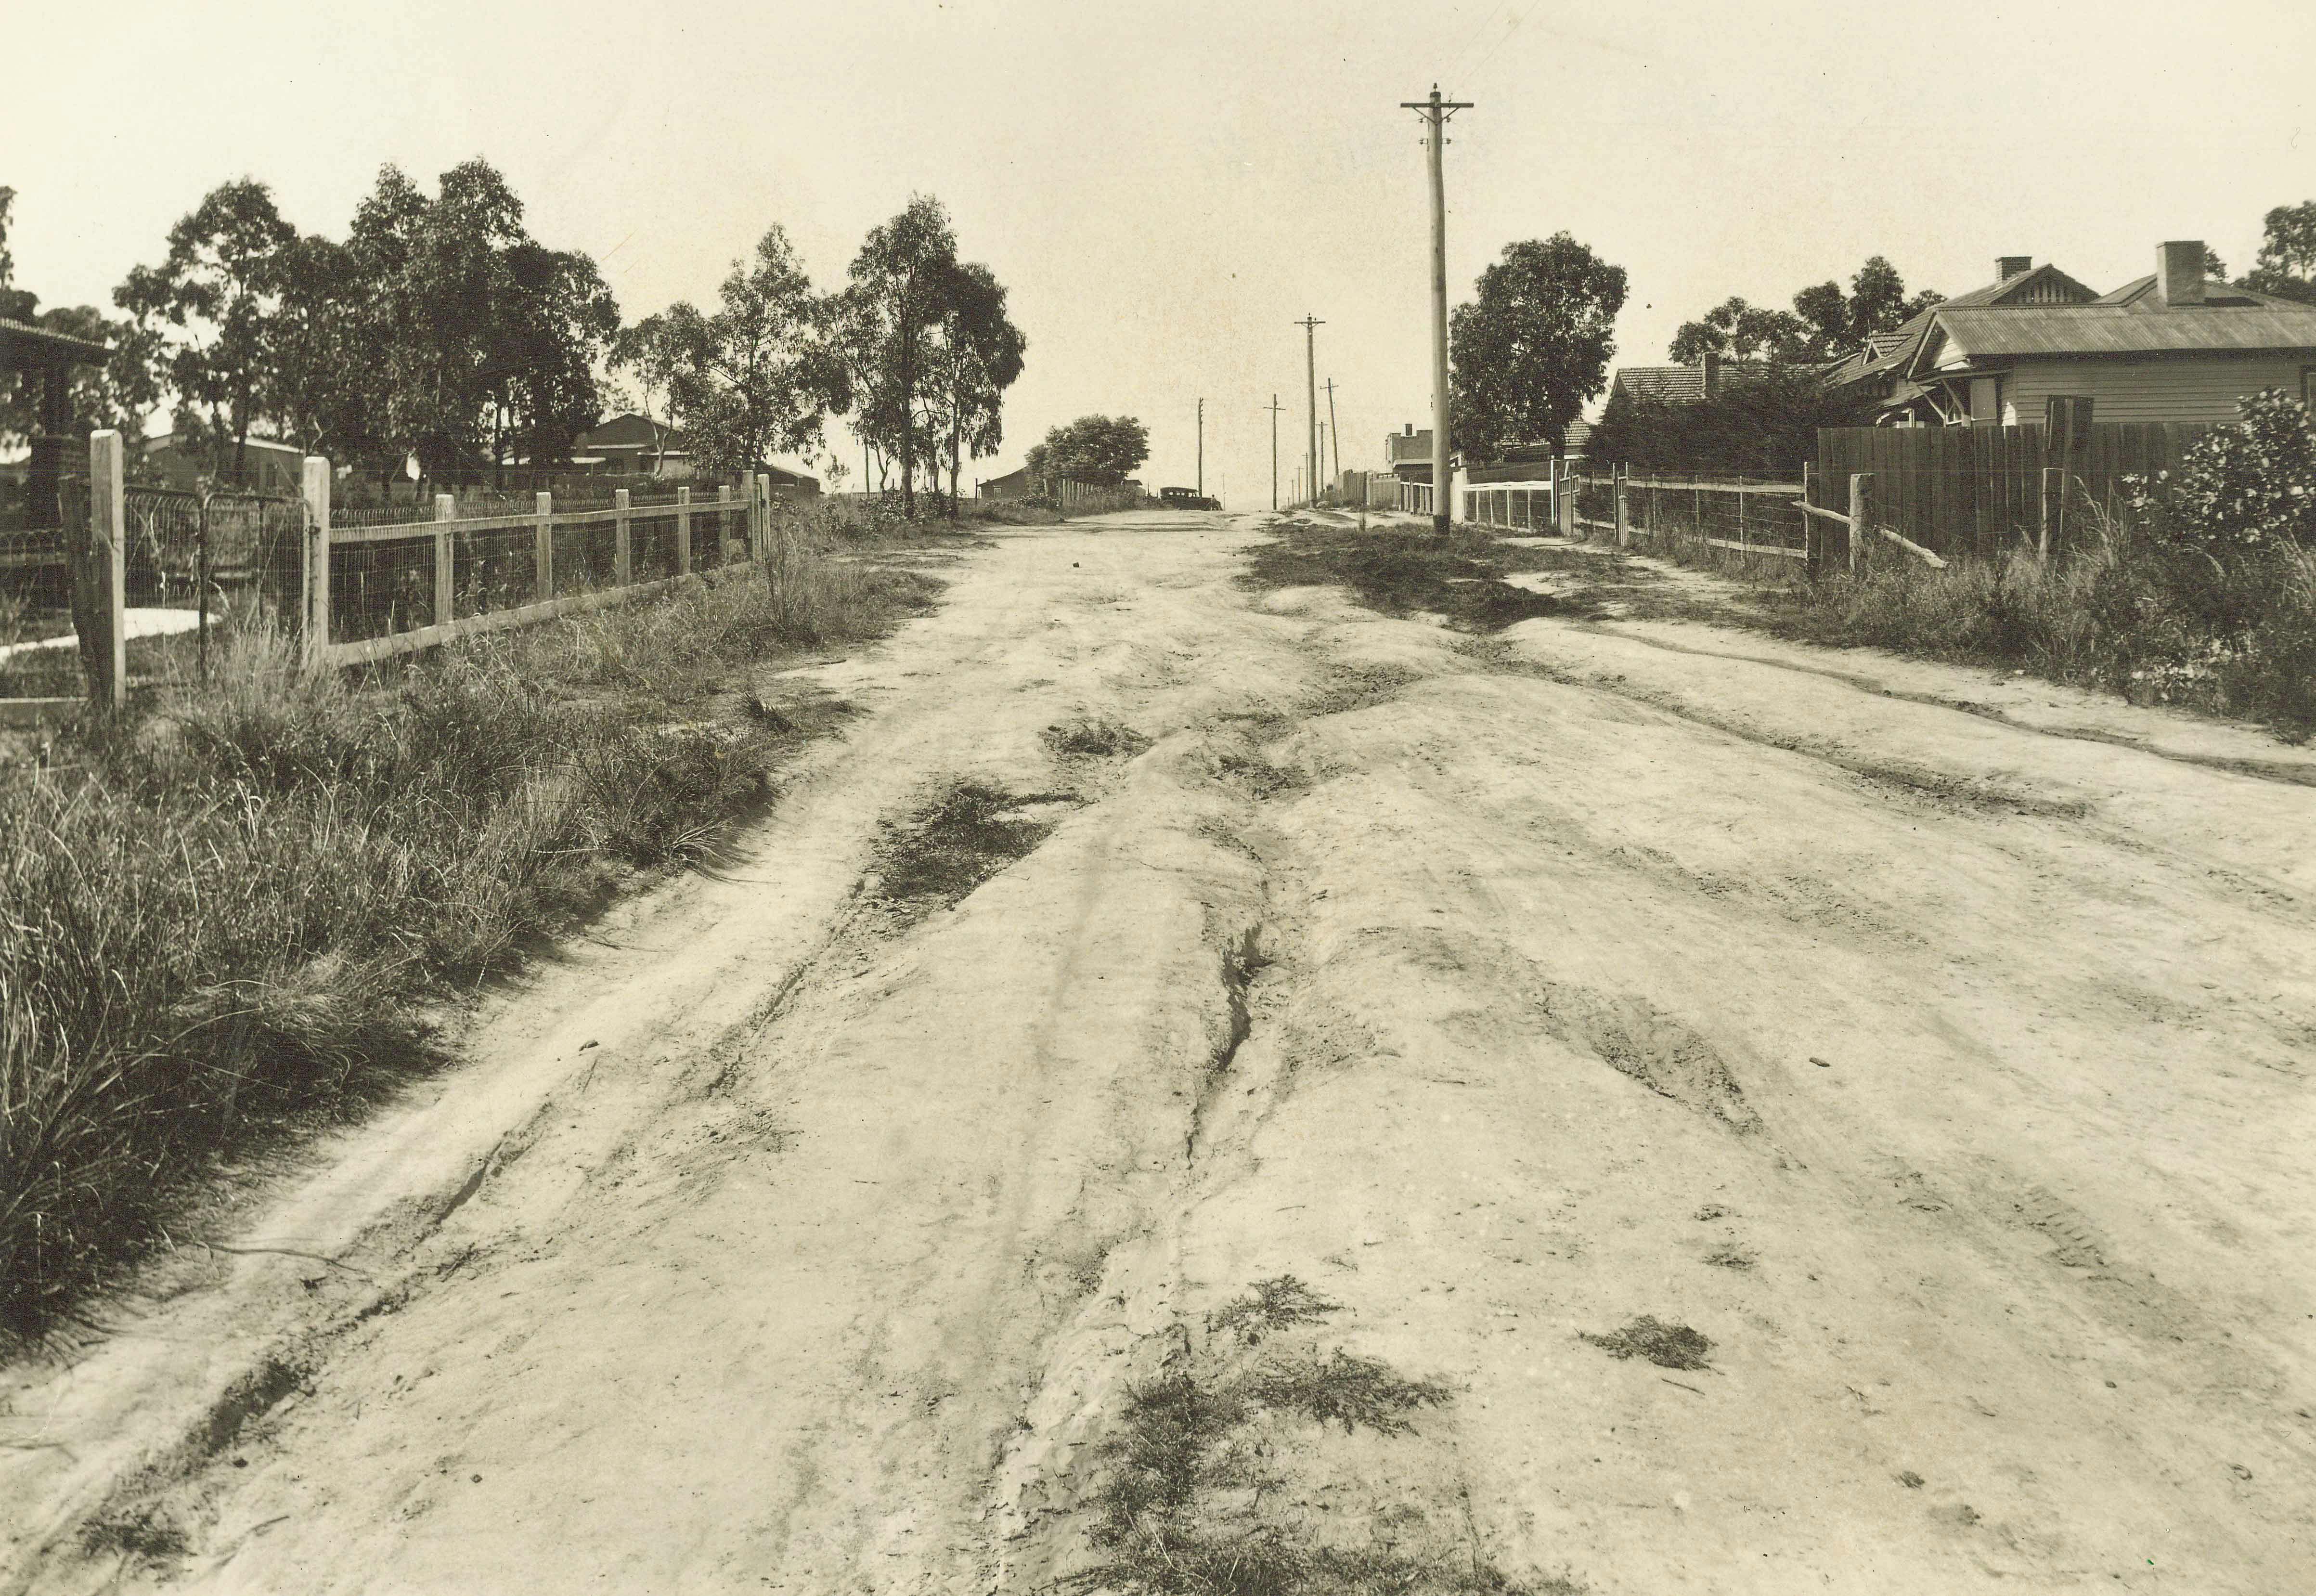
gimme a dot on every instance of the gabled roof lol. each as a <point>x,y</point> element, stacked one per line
<point>630,431</point>
<point>2045,286</point>
<point>1964,335</point>
<point>2139,295</point>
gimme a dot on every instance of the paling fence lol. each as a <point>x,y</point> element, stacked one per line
<point>1980,490</point>
<point>130,588</point>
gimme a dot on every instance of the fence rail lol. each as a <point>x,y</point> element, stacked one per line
<point>373,592</point>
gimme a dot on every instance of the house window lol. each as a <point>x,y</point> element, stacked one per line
<point>1985,400</point>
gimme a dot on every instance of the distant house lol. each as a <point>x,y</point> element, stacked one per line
<point>1408,453</point>
<point>1013,484</point>
<point>633,445</point>
<point>1686,385</point>
<point>2173,346</point>
<point>268,465</point>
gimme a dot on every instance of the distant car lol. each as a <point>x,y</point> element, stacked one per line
<point>1186,498</point>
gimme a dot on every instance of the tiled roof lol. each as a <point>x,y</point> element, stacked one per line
<point>25,335</point>
<point>1685,385</point>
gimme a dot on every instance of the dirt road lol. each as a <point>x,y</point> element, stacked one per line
<point>1611,1106</point>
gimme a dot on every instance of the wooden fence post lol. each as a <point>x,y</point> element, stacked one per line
<point>724,538</point>
<point>315,487</point>
<point>2054,504</point>
<point>623,563</point>
<point>684,532</point>
<point>1861,518</point>
<point>100,575</point>
<point>1566,512</point>
<point>543,556</point>
<point>1617,480</point>
<point>754,482</point>
<point>1809,521</point>
<point>1743,540</point>
<point>446,568</point>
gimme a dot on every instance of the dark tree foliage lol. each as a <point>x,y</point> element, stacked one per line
<point>1762,425</point>
<point>1533,345</point>
<point>1834,324</point>
<point>1743,332</point>
<point>2286,262</point>
<point>211,305</point>
<point>754,375</point>
<point>977,354</point>
<point>1098,449</point>
<point>888,319</point>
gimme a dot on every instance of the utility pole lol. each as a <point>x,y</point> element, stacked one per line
<point>1436,113</point>
<point>1334,432</point>
<point>1202,448</point>
<point>1274,408</point>
<point>1310,326</point>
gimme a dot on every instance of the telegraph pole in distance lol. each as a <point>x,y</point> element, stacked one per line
<point>1436,113</point>
<point>1274,408</point>
<point>1202,448</point>
<point>1334,431</point>
<point>1310,325</point>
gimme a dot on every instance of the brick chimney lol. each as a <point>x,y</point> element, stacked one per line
<point>1711,374</point>
<point>1411,429</point>
<point>2179,271</point>
<point>2006,267</point>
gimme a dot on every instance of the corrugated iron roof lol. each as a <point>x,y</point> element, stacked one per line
<point>24,335</point>
<point>2115,329</point>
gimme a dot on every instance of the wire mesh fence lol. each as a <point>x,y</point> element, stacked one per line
<point>1735,513</point>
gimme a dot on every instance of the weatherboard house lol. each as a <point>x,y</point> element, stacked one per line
<point>2172,346</point>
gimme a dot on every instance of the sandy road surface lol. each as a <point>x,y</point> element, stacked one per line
<point>1948,1078</point>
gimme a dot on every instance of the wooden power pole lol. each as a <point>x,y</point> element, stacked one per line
<point>1436,113</point>
<point>1202,448</point>
<point>1334,432</point>
<point>1310,326</point>
<point>1274,408</point>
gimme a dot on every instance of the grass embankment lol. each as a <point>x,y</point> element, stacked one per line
<point>2155,624</point>
<point>250,909</point>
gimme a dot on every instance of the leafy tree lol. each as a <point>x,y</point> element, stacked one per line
<point>1102,450</point>
<point>757,375</point>
<point>1533,344</point>
<point>888,316</point>
<point>321,391</point>
<point>555,323</point>
<point>649,354</point>
<point>1743,332</point>
<point>481,342</point>
<point>15,304</point>
<point>2286,262</point>
<point>211,304</point>
<point>976,357</point>
<point>1836,324</point>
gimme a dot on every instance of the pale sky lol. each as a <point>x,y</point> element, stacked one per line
<point>1166,188</point>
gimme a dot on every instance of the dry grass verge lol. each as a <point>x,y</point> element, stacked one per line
<point>251,909</point>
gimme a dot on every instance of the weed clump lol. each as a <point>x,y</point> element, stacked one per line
<point>1667,1346</point>
<point>1194,1496</point>
<point>1088,738</point>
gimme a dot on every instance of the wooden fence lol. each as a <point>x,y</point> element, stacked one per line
<point>357,592</point>
<point>1982,490</point>
<point>468,574</point>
